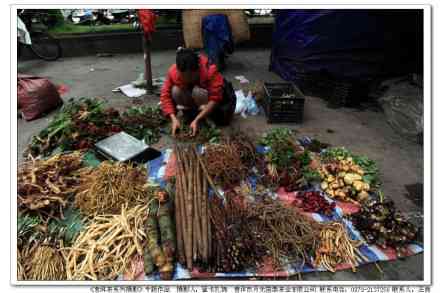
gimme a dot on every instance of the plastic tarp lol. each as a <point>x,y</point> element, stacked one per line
<point>402,103</point>
<point>347,43</point>
<point>217,36</point>
<point>163,168</point>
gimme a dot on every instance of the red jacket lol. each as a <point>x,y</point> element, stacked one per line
<point>210,79</point>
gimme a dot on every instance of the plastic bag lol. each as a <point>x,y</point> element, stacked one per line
<point>403,106</point>
<point>245,105</point>
<point>36,96</point>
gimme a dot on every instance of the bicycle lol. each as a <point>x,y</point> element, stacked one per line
<point>43,45</point>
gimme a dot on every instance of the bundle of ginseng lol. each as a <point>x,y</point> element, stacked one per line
<point>192,212</point>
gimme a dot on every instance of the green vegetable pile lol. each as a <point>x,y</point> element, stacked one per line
<point>79,125</point>
<point>288,164</point>
<point>282,146</point>
<point>83,122</point>
<point>144,123</point>
<point>207,133</point>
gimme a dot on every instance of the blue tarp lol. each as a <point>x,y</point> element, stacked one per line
<point>217,36</point>
<point>347,43</point>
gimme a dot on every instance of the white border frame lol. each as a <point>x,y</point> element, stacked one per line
<point>427,57</point>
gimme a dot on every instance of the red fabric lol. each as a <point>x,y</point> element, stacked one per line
<point>210,79</point>
<point>171,167</point>
<point>62,89</point>
<point>148,19</point>
<point>36,96</point>
<point>135,270</point>
<point>348,208</point>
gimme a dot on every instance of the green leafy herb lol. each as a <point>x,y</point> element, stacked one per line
<point>281,143</point>
<point>144,123</point>
<point>26,228</point>
<point>310,175</point>
<point>78,125</point>
<point>67,228</point>
<point>305,158</point>
<point>335,153</point>
<point>371,175</point>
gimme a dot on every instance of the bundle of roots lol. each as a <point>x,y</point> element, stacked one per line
<point>274,177</point>
<point>43,263</point>
<point>224,164</point>
<point>21,257</point>
<point>192,213</point>
<point>289,235</point>
<point>336,247</point>
<point>104,249</point>
<point>110,186</point>
<point>244,147</point>
<point>45,186</point>
<point>237,243</point>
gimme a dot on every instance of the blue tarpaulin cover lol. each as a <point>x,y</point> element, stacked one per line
<point>347,43</point>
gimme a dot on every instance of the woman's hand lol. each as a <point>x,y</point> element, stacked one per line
<point>175,124</point>
<point>194,127</point>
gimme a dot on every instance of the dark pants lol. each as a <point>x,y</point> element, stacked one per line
<point>191,102</point>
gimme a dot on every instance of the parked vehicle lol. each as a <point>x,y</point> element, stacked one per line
<point>82,16</point>
<point>32,27</point>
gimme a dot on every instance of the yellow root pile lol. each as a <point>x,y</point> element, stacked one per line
<point>109,187</point>
<point>104,249</point>
<point>45,264</point>
<point>335,247</point>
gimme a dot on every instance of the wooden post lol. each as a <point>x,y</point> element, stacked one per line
<point>147,59</point>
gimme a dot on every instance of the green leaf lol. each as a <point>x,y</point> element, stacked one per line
<point>69,227</point>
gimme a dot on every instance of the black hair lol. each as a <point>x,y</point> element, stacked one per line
<point>187,60</point>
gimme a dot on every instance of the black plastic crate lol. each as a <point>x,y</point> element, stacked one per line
<point>284,103</point>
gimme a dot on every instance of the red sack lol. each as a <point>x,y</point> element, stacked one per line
<point>36,96</point>
<point>147,18</point>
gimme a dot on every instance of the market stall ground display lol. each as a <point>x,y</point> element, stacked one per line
<point>163,168</point>
<point>117,220</point>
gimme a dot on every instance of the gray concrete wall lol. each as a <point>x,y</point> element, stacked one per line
<point>130,42</point>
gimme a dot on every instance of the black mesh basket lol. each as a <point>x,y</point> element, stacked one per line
<point>284,103</point>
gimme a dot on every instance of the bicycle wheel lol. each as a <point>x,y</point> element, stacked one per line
<point>45,46</point>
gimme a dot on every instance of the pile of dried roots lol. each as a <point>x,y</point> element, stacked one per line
<point>245,148</point>
<point>336,247</point>
<point>105,189</point>
<point>247,234</point>
<point>41,263</point>
<point>44,186</point>
<point>192,212</point>
<point>103,250</point>
<point>289,235</point>
<point>237,242</point>
<point>223,163</point>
